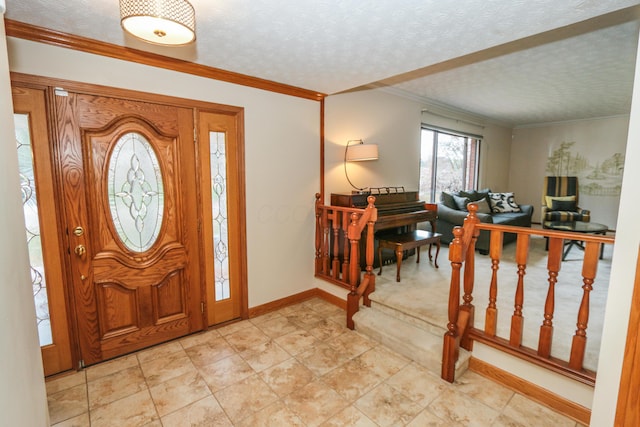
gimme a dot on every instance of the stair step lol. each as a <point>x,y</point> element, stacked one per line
<point>420,345</point>
<point>425,324</point>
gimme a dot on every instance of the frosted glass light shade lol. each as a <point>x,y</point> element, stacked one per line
<point>362,152</point>
<point>164,22</point>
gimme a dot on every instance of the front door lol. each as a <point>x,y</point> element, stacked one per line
<point>129,190</point>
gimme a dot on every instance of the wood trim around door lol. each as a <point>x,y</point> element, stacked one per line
<point>236,114</point>
<point>231,126</point>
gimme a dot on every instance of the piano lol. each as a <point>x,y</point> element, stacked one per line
<point>397,209</point>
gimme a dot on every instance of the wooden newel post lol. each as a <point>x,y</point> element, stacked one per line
<point>318,235</point>
<point>369,254</point>
<point>353,300</point>
<point>450,345</point>
<point>471,233</point>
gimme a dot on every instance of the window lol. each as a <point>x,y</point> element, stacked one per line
<point>448,162</point>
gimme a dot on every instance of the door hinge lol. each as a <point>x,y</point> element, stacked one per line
<point>61,92</point>
<point>81,364</point>
<point>202,307</point>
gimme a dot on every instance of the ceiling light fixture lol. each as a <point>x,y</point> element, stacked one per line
<point>163,22</point>
<point>359,153</point>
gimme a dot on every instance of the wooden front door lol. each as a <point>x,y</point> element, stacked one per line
<point>129,189</point>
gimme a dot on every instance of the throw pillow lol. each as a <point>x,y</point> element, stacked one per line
<point>563,205</point>
<point>503,202</point>
<point>483,206</point>
<point>461,202</point>
<point>475,195</point>
<point>549,199</point>
<point>447,199</point>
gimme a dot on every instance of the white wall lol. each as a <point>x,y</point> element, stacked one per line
<point>23,399</point>
<point>281,149</point>
<point>595,139</point>
<point>621,284</point>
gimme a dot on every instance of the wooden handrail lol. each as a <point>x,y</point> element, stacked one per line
<point>338,234</point>
<point>460,328</point>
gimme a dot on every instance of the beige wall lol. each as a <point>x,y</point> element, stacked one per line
<point>594,139</point>
<point>23,399</point>
<point>394,122</point>
<point>378,118</point>
<point>281,149</point>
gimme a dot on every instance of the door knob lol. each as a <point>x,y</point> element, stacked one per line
<point>80,250</point>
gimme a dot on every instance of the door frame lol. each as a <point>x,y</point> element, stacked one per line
<point>236,171</point>
<point>232,126</point>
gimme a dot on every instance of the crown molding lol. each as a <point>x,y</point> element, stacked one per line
<point>58,38</point>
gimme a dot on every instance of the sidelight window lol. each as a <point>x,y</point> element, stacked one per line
<point>218,186</point>
<point>448,162</point>
<point>32,226</point>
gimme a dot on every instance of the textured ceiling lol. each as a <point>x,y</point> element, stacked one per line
<point>511,61</point>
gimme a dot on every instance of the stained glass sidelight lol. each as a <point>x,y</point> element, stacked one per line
<point>32,225</point>
<point>135,191</point>
<point>217,154</point>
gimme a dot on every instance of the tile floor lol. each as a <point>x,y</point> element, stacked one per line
<point>298,366</point>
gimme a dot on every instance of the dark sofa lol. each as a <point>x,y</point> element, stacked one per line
<point>496,208</point>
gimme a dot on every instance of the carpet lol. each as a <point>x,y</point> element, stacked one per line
<point>423,293</point>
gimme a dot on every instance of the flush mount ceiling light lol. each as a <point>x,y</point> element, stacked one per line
<point>164,22</point>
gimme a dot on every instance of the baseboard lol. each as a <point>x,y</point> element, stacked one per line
<point>295,299</point>
<point>545,397</point>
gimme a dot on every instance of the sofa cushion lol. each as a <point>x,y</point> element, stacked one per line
<point>483,206</point>
<point>563,205</point>
<point>475,195</point>
<point>549,199</point>
<point>521,219</point>
<point>503,202</point>
<point>447,199</point>
<point>564,216</point>
<point>461,202</point>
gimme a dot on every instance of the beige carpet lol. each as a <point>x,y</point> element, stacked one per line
<point>423,293</point>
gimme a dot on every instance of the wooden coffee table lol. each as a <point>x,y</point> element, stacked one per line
<point>579,227</point>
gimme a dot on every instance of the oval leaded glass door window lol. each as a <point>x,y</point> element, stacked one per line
<point>135,191</point>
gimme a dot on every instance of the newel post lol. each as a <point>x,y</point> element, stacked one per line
<point>450,345</point>
<point>353,299</point>
<point>471,232</point>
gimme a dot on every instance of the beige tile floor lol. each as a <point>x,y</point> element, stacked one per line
<point>298,366</point>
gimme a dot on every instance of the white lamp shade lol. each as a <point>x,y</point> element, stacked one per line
<point>362,152</point>
<point>164,22</point>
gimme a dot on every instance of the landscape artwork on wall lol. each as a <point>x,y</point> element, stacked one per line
<point>597,177</point>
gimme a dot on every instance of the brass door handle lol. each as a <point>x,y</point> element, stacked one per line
<point>80,250</point>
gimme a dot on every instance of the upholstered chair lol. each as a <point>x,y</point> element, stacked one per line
<point>560,200</point>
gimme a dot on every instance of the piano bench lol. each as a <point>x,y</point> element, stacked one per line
<point>405,241</point>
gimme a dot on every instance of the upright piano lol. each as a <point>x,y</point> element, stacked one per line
<point>397,209</point>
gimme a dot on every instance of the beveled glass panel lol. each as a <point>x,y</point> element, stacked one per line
<point>218,161</point>
<point>32,225</point>
<point>135,191</point>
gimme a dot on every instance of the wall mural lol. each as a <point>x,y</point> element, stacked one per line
<point>602,177</point>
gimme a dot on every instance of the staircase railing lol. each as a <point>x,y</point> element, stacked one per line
<point>339,231</point>
<point>461,311</point>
